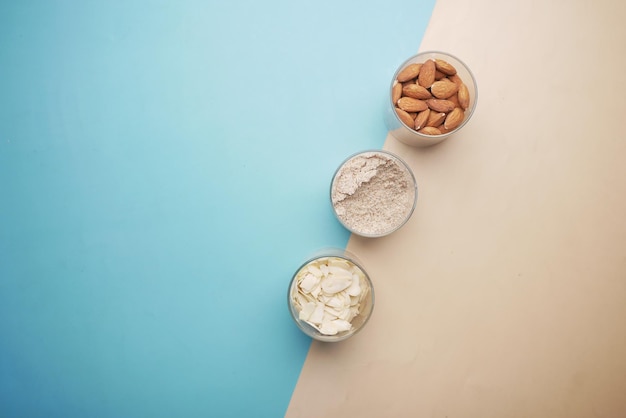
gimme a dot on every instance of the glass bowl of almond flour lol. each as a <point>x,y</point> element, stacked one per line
<point>373,193</point>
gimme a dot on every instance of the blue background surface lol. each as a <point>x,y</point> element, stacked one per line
<point>164,168</point>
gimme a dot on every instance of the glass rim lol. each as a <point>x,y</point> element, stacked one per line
<point>403,164</point>
<point>310,330</point>
<point>471,110</point>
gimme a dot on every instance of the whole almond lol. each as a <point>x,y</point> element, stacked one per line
<point>439,105</point>
<point>396,93</point>
<point>409,104</point>
<point>429,130</point>
<point>464,98</point>
<point>455,79</point>
<point>442,129</point>
<point>409,72</point>
<point>421,119</point>
<point>430,97</point>
<point>426,76</point>
<point>443,89</point>
<point>416,91</point>
<point>445,67</point>
<point>454,119</point>
<point>435,119</point>
<point>454,99</point>
<point>405,117</point>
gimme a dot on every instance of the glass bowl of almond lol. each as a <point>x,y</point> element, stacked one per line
<point>432,96</point>
<point>331,296</point>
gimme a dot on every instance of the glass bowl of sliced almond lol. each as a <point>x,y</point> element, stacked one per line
<point>432,96</point>
<point>331,296</point>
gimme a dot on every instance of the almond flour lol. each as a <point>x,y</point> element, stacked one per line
<point>373,193</point>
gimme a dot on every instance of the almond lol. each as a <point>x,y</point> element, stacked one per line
<point>409,104</point>
<point>435,119</point>
<point>429,130</point>
<point>442,129</point>
<point>438,105</point>
<point>454,119</point>
<point>445,67</point>
<point>409,72</point>
<point>416,91</point>
<point>421,119</point>
<point>405,117</point>
<point>426,76</point>
<point>464,98</point>
<point>430,97</point>
<point>454,99</point>
<point>443,89</point>
<point>455,79</point>
<point>396,93</point>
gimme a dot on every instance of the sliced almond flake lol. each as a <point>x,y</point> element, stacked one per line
<point>339,272</point>
<point>324,269</point>
<point>307,310</point>
<point>342,325</point>
<point>355,288</point>
<point>333,284</point>
<point>357,271</point>
<point>339,263</point>
<point>314,270</point>
<point>346,315</point>
<point>336,313</point>
<point>324,298</point>
<point>328,294</point>
<point>335,302</point>
<point>344,298</point>
<point>328,316</point>
<point>318,314</point>
<point>309,282</point>
<point>300,299</point>
<point>308,297</point>
<point>329,328</point>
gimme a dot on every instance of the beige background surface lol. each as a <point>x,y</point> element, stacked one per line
<point>505,294</point>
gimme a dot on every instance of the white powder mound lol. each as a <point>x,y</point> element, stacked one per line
<point>373,193</point>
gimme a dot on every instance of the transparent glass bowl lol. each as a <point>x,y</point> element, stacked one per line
<point>366,298</point>
<point>408,135</point>
<point>352,216</point>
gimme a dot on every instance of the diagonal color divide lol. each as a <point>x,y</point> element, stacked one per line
<point>164,168</point>
<point>505,293</point>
